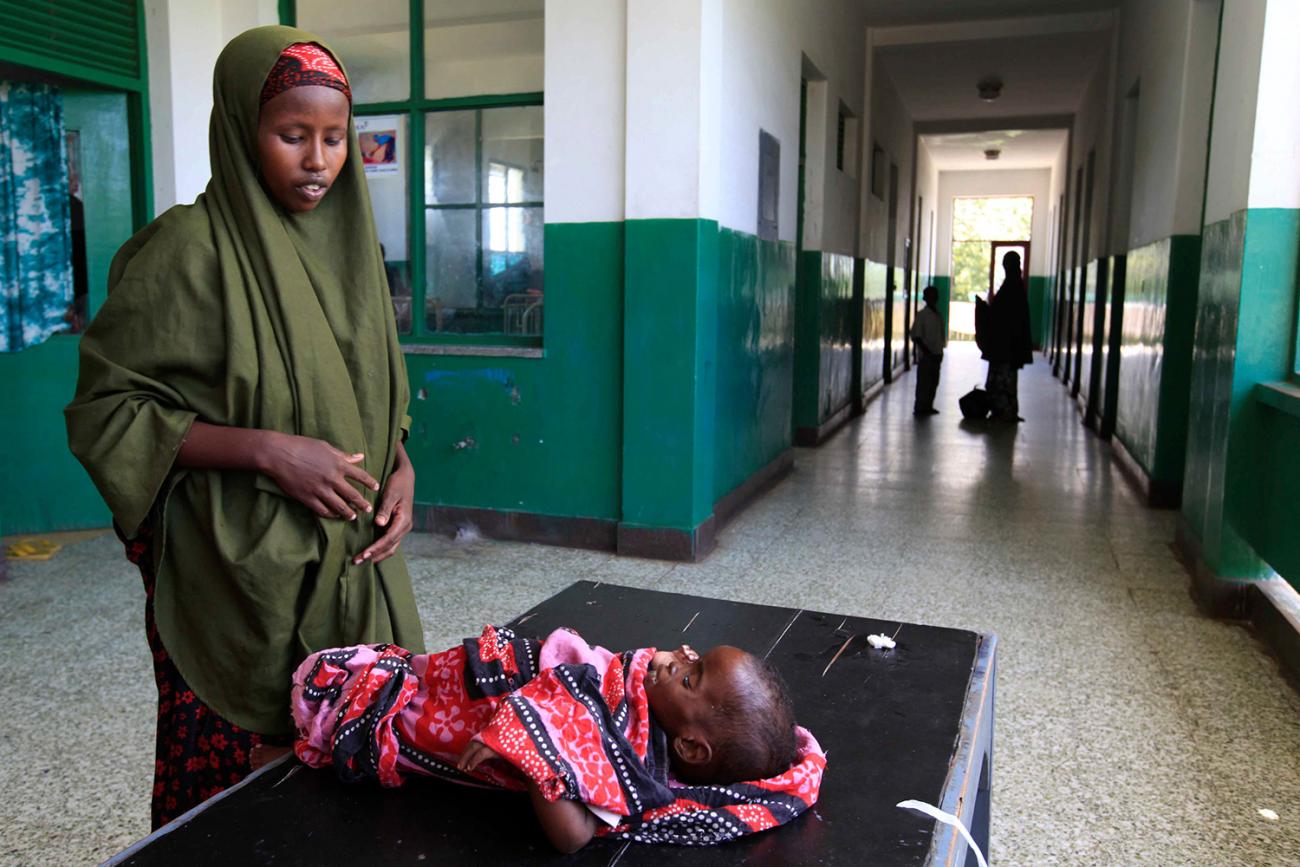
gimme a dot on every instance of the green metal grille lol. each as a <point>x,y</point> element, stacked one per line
<point>98,35</point>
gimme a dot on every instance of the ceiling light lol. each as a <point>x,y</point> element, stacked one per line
<point>989,89</point>
<point>992,154</point>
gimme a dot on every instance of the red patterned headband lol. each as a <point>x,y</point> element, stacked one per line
<point>302,65</point>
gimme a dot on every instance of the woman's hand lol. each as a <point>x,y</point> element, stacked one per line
<point>317,475</point>
<point>310,471</point>
<point>396,514</point>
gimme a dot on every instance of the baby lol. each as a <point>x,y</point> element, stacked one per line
<point>644,745</point>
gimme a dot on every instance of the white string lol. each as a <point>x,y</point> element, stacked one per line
<point>948,819</point>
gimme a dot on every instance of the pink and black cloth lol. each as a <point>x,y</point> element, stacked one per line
<point>572,718</point>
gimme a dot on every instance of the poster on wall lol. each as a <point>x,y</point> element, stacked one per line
<point>380,146</point>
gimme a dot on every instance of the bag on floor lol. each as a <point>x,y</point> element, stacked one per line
<point>975,404</point>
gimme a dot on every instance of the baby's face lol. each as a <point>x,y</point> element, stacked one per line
<point>684,686</point>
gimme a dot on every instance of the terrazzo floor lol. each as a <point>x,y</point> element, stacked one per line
<point>1130,729</point>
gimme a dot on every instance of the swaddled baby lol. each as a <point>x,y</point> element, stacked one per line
<point>653,746</point>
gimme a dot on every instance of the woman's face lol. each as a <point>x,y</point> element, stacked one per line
<point>302,144</point>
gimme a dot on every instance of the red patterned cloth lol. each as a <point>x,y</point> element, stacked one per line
<point>579,728</point>
<point>302,65</point>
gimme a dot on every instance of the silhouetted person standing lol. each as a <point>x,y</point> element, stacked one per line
<point>931,336</point>
<point>1011,347</point>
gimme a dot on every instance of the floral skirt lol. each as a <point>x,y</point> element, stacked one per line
<point>198,752</point>
<point>1002,385</point>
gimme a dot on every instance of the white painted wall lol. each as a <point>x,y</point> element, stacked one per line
<point>1059,172</point>
<point>994,182</point>
<point>1166,48</point>
<point>927,187</point>
<point>665,117</point>
<point>1275,153</point>
<point>1236,98</point>
<point>703,78</point>
<point>1092,132</point>
<point>184,40</point>
<point>586,80</point>
<point>891,127</point>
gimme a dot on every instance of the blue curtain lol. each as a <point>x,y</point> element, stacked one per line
<point>35,225</point>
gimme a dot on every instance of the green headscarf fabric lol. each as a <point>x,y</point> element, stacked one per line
<point>236,312</point>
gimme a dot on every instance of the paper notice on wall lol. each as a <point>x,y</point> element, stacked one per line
<point>380,142</point>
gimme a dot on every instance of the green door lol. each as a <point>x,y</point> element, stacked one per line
<point>45,488</point>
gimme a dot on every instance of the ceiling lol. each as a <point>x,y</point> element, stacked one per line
<point>1021,149</point>
<point>1041,75</point>
<point>890,13</point>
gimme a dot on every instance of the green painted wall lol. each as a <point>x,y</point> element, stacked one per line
<point>669,333</point>
<point>943,284</point>
<point>539,435</point>
<point>705,354</point>
<point>824,337</point>
<point>1039,291</point>
<point>896,336</point>
<point>1096,316</point>
<point>1087,347</point>
<point>874,336</point>
<point>44,487</point>
<point>1156,352</point>
<point>755,356</point>
<point>1243,454</point>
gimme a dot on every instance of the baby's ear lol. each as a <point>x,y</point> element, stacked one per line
<point>692,750</point>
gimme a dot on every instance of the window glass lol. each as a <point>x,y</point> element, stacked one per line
<point>372,40</point>
<point>513,268</point>
<point>449,158</point>
<point>512,138</point>
<point>496,48</point>
<point>451,296</point>
<point>485,221</point>
<point>382,142</point>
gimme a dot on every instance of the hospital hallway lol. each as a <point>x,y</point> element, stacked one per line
<point>1129,730</point>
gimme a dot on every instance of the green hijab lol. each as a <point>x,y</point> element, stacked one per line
<point>236,312</point>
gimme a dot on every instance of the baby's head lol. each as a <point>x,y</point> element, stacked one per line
<point>727,714</point>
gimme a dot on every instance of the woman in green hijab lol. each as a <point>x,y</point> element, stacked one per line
<point>241,408</point>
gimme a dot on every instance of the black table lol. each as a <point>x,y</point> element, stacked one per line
<point>915,722</point>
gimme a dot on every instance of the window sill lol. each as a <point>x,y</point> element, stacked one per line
<point>1282,396</point>
<point>474,349</point>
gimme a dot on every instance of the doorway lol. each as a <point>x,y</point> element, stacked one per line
<point>998,249</point>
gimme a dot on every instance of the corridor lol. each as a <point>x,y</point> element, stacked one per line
<point>1130,729</point>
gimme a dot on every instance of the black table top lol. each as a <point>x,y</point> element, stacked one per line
<point>888,720</point>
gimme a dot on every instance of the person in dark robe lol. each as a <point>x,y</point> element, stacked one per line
<point>1010,346</point>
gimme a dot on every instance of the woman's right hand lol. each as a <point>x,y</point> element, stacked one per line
<point>316,474</point>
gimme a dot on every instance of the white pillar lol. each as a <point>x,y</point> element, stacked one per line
<point>674,56</point>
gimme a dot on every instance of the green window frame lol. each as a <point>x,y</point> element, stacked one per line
<point>414,109</point>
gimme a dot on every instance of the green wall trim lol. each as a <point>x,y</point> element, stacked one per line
<point>1159,321</point>
<point>807,339</point>
<point>1281,396</point>
<point>1243,454</point>
<point>874,337</point>
<point>669,373</point>
<point>943,284</point>
<point>825,328</point>
<point>1262,475</point>
<point>1039,291</point>
<point>755,356</point>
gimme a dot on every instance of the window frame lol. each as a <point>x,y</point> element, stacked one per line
<point>414,108</point>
